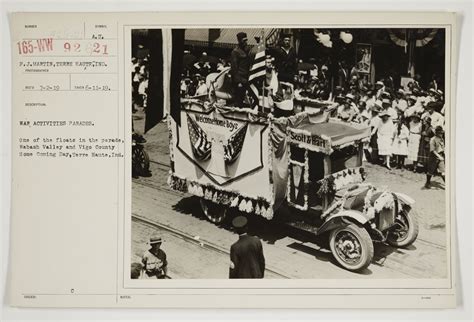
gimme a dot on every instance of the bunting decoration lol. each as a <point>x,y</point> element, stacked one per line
<point>200,145</point>
<point>421,37</point>
<point>234,145</point>
<point>231,199</point>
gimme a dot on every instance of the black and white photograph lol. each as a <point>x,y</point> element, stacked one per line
<point>279,153</point>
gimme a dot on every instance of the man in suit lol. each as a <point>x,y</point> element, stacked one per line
<point>246,255</point>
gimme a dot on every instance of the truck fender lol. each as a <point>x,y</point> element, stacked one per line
<point>404,199</point>
<point>340,219</point>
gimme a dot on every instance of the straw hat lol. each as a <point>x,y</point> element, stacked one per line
<point>378,103</point>
<point>155,239</point>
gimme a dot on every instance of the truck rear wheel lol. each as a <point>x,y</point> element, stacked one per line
<point>214,212</point>
<point>406,230</point>
<point>352,247</point>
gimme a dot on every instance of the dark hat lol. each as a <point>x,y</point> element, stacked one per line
<point>431,105</point>
<point>285,35</point>
<point>415,115</point>
<point>439,129</point>
<point>339,97</point>
<point>155,239</point>
<point>239,222</point>
<point>241,35</point>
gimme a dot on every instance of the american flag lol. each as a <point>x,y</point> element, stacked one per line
<point>257,73</point>
<point>234,145</point>
<point>201,146</point>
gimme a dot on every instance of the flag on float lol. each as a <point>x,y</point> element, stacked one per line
<point>200,145</point>
<point>234,145</point>
<point>257,73</point>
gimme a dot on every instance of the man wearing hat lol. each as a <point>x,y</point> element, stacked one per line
<point>239,68</point>
<point>154,260</point>
<point>246,254</point>
<point>285,60</point>
<point>436,158</point>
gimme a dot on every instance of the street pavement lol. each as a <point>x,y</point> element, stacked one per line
<point>197,248</point>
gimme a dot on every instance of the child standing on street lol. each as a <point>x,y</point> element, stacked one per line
<point>436,157</point>
<point>400,144</point>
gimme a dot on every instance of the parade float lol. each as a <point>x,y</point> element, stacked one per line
<point>253,162</point>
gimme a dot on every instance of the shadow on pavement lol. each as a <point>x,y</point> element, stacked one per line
<point>383,251</point>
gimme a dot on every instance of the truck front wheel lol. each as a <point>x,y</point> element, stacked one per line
<point>352,247</point>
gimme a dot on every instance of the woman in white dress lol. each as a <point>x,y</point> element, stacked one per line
<point>385,136</point>
<point>414,137</point>
<point>400,143</point>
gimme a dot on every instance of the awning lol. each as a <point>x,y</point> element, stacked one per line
<point>340,133</point>
<point>227,38</point>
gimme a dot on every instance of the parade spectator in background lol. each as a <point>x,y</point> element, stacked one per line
<point>436,118</point>
<point>240,67</point>
<point>364,115</point>
<point>427,132</point>
<point>400,144</point>
<point>400,103</point>
<point>380,88</point>
<point>374,125</point>
<point>387,106</point>
<point>285,60</point>
<point>385,135</point>
<point>436,158</point>
<point>414,137</point>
